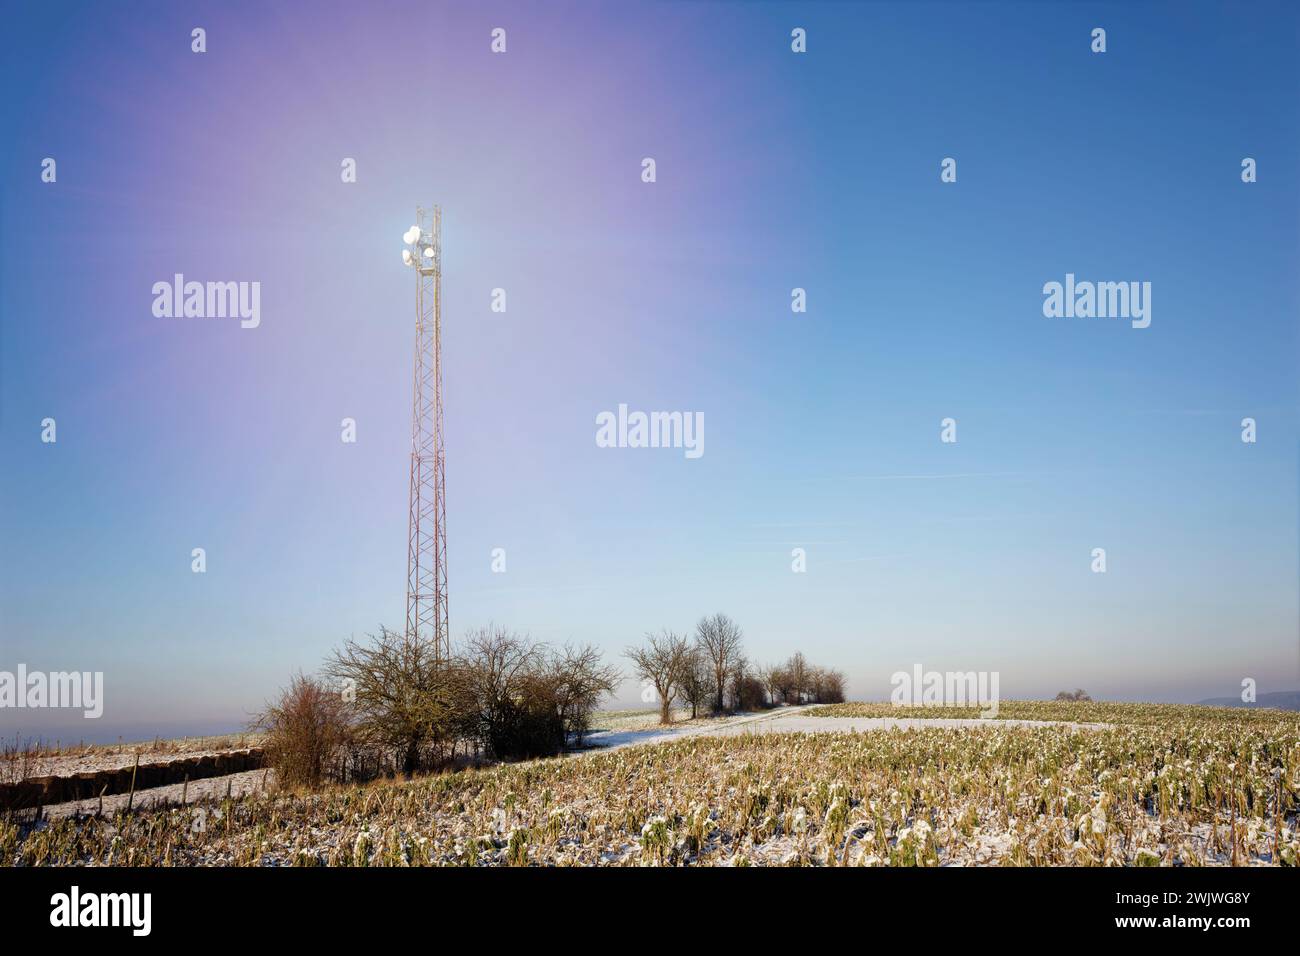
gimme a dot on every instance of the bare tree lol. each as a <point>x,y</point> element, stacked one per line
<point>719,640</point>
<point>404,697</point>
<point>697,682</point>
<point>781,683</point>
<point>665,660</point>
<point>736,675</point>
<point>579,682</point>
<point>835,683</point>
<point>798,669</point>
<point>501,668</point>
<point>766,675</point>
<point>816,682</point>
<point>746,690</point>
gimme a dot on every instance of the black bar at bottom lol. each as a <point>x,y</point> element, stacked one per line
<point>306,906</point>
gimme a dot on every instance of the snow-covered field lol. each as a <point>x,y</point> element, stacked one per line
<point>1137,785</point>
<point>614,731</point>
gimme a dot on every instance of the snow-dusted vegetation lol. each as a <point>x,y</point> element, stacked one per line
<point>1156,785</point>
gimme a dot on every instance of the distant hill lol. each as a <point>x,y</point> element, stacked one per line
<point>1281,700</point>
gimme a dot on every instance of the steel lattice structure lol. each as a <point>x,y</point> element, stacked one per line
<point>426,562</point>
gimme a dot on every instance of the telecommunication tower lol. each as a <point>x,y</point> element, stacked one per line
<point>426,556</point>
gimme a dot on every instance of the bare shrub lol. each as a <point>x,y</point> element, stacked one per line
<point>1078,695</point>
<point>528,698</point>
<point>832,687</point>
<point>748,692</point>
<point>17,759</point>
<point>501,669</point>
<point>306,729</point>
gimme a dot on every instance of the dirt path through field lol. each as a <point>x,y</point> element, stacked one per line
<point>797,720</point>
<point>236,784</point>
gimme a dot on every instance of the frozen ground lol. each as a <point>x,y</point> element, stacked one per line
<point>783,721</point>
<point>73,760</point>
<point>617,730</point>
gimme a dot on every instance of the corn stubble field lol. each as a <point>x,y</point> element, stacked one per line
<point>1157,785</point>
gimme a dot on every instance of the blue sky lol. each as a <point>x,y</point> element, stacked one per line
<point>775,170</point>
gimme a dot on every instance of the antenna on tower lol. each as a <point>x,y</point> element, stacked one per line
<point>426,556</point>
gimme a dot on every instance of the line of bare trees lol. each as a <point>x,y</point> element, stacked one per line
<point>390,703</point>
<point>798,682</point>
<point>708,672</point>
